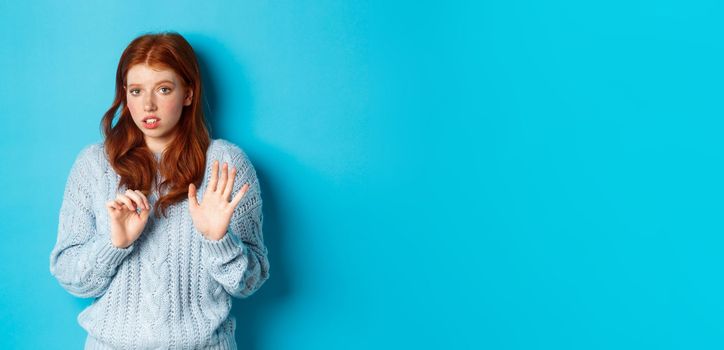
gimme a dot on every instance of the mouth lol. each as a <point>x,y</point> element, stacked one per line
<point>151,122</point>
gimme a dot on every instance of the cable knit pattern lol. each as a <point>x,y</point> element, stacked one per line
<point>172,288</point>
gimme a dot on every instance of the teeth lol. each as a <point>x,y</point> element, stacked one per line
<point>150,121</point>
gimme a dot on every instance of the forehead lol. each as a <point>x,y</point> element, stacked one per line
<point>144,74</point>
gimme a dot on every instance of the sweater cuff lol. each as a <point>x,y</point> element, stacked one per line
<point>225,248</point>
<point>110,255</point>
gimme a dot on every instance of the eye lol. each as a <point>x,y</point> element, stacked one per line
<point>167,90</point>
<point>133,92</point>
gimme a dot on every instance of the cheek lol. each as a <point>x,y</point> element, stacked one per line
<point>134,106</point>
<point>172,107</point>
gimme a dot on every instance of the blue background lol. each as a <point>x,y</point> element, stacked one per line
<point>467,175</point>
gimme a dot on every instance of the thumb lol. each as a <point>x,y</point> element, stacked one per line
<point>193,203</point>
<point>145,213</point>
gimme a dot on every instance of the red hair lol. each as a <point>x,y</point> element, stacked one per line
<point>184,160</point>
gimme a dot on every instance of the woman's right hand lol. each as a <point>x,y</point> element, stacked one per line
<point>126,223</point>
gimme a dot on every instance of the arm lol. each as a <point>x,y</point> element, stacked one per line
<point>238,261</point>
<point>83,260</point>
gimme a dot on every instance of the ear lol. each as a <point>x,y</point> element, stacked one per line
<point>189,97</point>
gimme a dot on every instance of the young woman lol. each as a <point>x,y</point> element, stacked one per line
<point>161,281</point>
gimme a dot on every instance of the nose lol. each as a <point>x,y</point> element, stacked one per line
<point>149,104</point>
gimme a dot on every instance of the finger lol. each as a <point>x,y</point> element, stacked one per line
<point>137,200</point>
<point>145,199</point>
<point>123,206</point>
<point>222,183</point>
<point>239,195</point>
<point>214,176</point>
<point>125,201</point>
<point>192,195</point>
<point>229,185</point>
<point>144,214</point>
<point>112,205</point>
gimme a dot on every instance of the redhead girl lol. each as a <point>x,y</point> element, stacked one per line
<point>159,223</point>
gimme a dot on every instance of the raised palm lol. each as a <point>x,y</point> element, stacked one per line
<point>212,216</point>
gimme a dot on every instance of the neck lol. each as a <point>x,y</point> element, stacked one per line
<point>157,145</point>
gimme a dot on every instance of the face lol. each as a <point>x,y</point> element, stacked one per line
<point>156,93</point>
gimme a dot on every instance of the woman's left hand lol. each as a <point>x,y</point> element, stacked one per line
<point>213,215</point>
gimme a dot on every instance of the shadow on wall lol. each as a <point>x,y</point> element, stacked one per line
<point>252,314</point>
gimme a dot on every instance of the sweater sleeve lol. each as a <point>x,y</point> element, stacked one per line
<point>238,261</point>
<point>84,260</point>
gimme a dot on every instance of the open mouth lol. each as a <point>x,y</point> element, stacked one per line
<point>151,123</point>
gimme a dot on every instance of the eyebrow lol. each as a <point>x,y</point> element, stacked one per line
<point>159,83</point>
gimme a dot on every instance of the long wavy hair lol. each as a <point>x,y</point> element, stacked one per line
<point>184,160</point>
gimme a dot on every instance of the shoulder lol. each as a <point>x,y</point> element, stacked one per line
<point>91,159</point>
<point>220,147</point>
<point>226,151</point>
<point>91,155</point>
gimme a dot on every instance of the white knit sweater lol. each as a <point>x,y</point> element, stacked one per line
<point>172,288</point>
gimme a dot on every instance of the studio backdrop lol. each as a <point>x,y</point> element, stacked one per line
<point>435,175</point>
